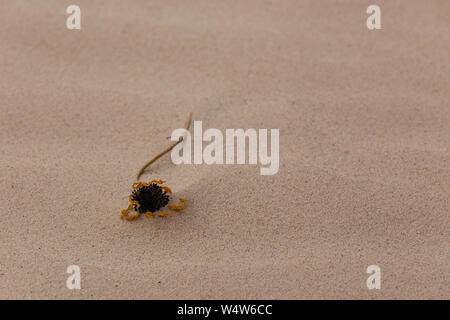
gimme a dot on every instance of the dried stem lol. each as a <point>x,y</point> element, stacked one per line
<point>188,124</point>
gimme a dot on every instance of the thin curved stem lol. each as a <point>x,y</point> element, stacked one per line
<point>188,124</point>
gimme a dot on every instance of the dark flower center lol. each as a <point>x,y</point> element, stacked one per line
<point>151,198</point>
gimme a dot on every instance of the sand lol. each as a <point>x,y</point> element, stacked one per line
<point>364,160</point>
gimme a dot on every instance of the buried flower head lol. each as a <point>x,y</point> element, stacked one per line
<point>148,198</point>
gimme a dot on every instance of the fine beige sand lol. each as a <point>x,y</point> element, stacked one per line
<point>364,159</point>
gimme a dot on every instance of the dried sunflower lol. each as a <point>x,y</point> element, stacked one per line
<point>148,198</point>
